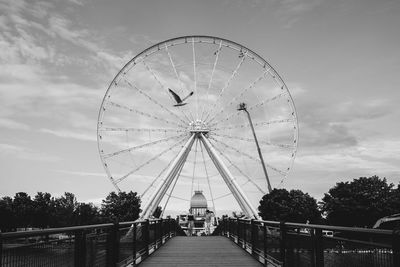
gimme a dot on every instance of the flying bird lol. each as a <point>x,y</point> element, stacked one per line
<point>179,101</point>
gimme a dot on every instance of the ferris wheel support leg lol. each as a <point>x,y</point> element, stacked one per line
<point>173,170</point>
<point>230,181</point>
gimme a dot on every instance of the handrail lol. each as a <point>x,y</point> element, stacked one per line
<point>48,231</point>
<point>113,244</point>
<point>283,243</point>
<point>323,227</point>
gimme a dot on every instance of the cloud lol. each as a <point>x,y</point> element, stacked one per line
<point>12,124</point>
<point>83,173</point>
<point>291,11</point>
<point>323,134</point>
<point>71,134</point>
<point>25,153</point>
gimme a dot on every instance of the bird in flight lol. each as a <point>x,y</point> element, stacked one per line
<point>179,101</point>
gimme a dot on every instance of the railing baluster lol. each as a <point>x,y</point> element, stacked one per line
<point>265,244</point>
<point>161,230</point>
<point>80,249</point>
<point>113,245</point>
<point>283,233</point>
<point>147,237</point>
<point>396,247</point>
<point>319,249</point>
<point>238,230</point>
<point>155,234</point>
<point>253,237</point>
<point>1,250</point>
<point>134,244</point>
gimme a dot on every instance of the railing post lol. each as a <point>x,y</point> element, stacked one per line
<point>79,249</point>
<point>134,244</point>
<point>253,237</point>
<point>238,230</point>
<point>282,228</point>
<point>319,249</point>
<point>169,228</point>
<point>396,247</point>
<point>1,250</point>
<point>225,221</point>
<point>161,231</point>
<point>155,233</point>
<point>227,227</point>
<point>113,246</point>
<point>265,244</point>
<point>244,231</point>
<point>147,236</point>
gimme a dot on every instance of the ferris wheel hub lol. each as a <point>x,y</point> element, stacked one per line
<point>198,126</point>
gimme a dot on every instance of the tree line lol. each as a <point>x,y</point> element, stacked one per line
<point>359,203</point>
<point>44,210</point>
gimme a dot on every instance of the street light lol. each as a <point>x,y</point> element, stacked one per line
<point>242,106</point>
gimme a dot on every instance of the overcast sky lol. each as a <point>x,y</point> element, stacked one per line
<point>340,60</point>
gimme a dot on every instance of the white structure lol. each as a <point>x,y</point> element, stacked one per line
<point>197,112</point>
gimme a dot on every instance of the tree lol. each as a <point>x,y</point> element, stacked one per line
<point>7,221</point>
<point>43,210</point>
<point>86,214</point>
<point>64,210</point>
<point>360,202</point>
<point>293,206</point>
<point>23,209</point>
<point>122,206</point>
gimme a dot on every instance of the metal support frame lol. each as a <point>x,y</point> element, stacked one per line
<point>243,107</point>
<point>178,163</point>
<point>230,181</point>
<point>169,177</point>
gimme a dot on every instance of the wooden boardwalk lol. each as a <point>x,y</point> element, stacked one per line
<point>200,251</point>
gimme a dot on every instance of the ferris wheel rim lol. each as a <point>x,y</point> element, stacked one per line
<point>186,37</point>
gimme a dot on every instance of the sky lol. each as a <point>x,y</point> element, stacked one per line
<point>339,59</point>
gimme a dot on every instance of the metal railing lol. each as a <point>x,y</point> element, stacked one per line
<point>110,245</point>
<point>294,244</point>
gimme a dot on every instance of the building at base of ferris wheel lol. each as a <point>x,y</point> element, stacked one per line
<point>198,208</point>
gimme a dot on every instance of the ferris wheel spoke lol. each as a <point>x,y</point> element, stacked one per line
<point>157,177</point>
<point>291,146</point>
<point>172,189</point>
<point>235,98</point>
<point>223,196</point>
<point>142,113</point>
<point>200,177</point>
<point>212,75</point>
<point>129,129</point>
<point>179,198</point>
<point>165,89</point>
<point>132,86</point>
<point>228,82</point>
<point>208,178</point>
<point>142,146</point>
<point>246,125</point>
<point>259,104</point>
<point>195,79</point>
<point>194,164</point>
<point>149,161</point>
<point>283,173</point>
<point>176,75</point>
<point>249,180</point>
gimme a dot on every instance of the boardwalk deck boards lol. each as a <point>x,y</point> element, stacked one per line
<point>200,251</point>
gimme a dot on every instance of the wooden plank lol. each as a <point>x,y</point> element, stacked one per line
<point>200,251</point>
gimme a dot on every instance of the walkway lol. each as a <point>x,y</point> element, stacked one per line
<point>200,251</point>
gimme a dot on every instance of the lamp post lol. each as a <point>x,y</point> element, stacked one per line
<point>242,106</point>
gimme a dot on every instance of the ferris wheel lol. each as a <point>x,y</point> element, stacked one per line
<point>198,113</point>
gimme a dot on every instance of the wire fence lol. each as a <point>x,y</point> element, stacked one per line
<point>292,244</point>
<point>108,245</point>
